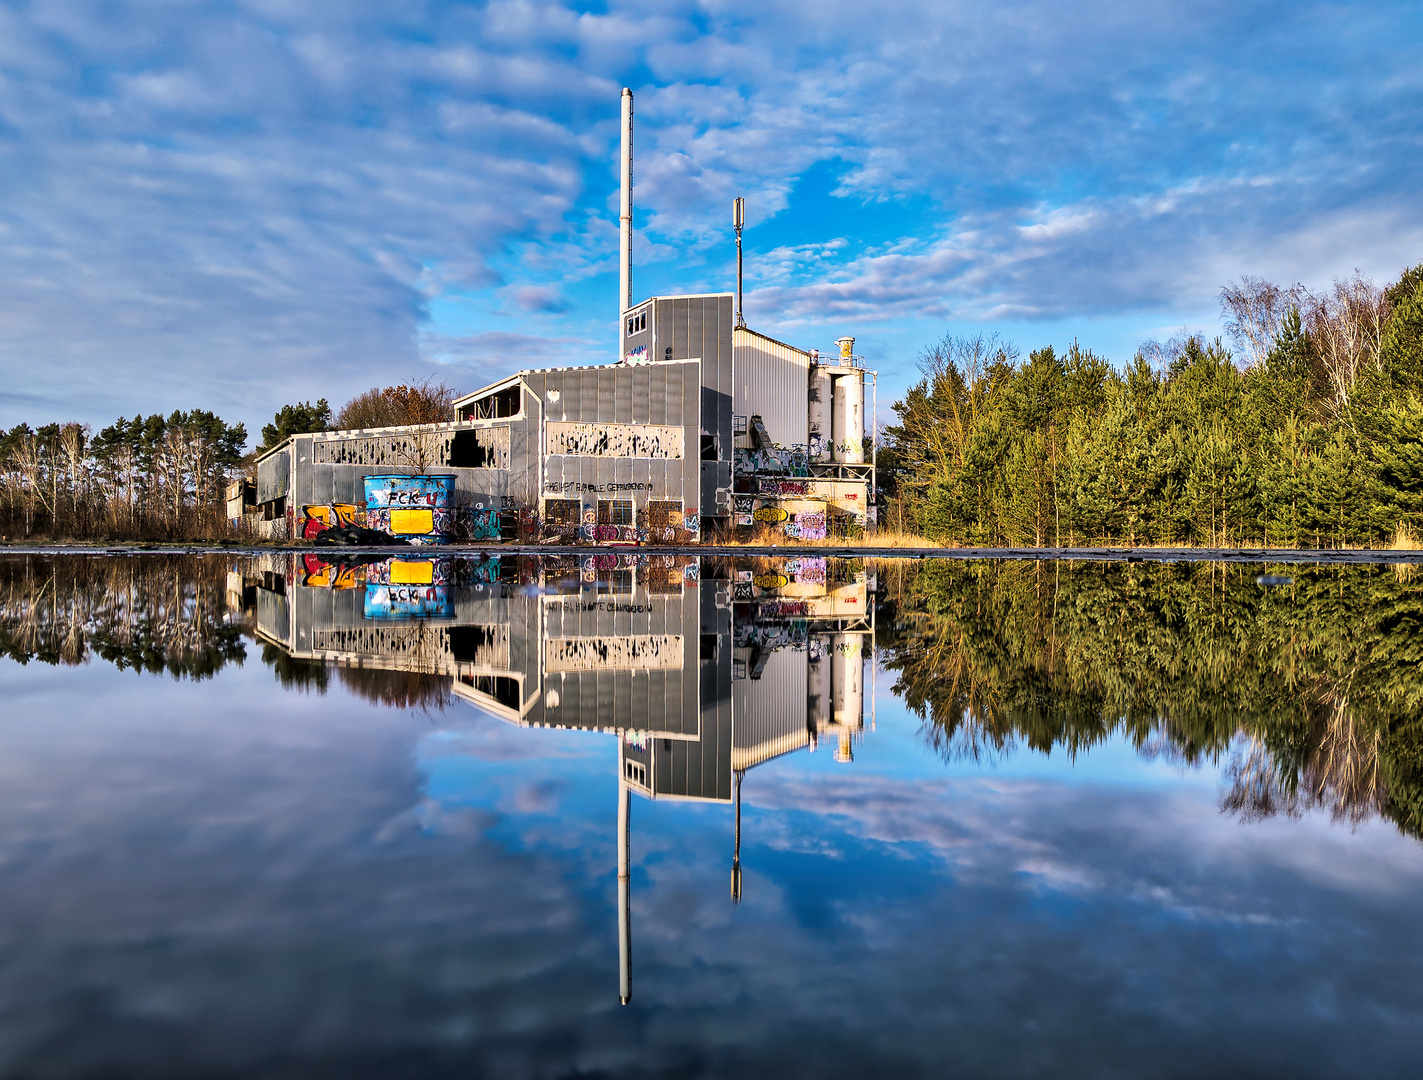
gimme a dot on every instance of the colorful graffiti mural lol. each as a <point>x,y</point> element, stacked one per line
<point>407,602</point>
<point>316,573</point>
<point>415,508</point>
<point>411,572</point>
<point>317,518</point>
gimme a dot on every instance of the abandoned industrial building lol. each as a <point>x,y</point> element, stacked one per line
<point>699,425</point>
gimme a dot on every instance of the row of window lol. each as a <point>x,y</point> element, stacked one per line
<point>637,322</point>
<point>569,512</point>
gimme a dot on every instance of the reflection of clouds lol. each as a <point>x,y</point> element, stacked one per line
<point>222,876</point>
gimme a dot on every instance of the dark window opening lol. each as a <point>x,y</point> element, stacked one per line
<point>708,647</point>
<point>708,447</point>
<point>616,581</point>
<point>614,511</point>
<point>467,641</point>
<point>506,402</point>
<point>467,452</point>
<point>501,688</point>
<point>562,513</point>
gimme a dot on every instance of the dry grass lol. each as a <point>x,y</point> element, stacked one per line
<point>1404,540</point>
<point>766,536</point>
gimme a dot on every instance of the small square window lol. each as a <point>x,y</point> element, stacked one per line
<point>738,425</point>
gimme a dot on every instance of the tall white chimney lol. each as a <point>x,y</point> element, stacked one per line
<point>625,215</point>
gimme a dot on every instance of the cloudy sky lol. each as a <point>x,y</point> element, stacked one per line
<point>240,203</point>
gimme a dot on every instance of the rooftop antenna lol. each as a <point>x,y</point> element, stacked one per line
<point>738,219</point>
<point>625,213</point>
<point>736,856</point>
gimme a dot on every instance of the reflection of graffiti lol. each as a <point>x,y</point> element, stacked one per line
<point>411,572</point>
<point>318,574</point>
<point>615,440</point>
<point>769,515</point>
<point>806,571</point>
<point>770,580</point>
<point>641,652</point>
<point>407,601</point>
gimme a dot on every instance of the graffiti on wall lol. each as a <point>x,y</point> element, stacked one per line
<point>797,519</point>
<point>416,508</point>
<point>407,602</point>
<point>615,440</point>
<point>635,652</point>
<point>318,517</point>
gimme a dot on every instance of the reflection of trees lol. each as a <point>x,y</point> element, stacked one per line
<point>303,676</point>
<point>1311,694</point>
<point>399,689</point>
<point>145,613</point>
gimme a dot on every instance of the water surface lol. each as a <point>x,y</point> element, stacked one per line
<point>279,817</point>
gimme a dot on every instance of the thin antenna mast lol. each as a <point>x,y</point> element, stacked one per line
<point>738,219</point>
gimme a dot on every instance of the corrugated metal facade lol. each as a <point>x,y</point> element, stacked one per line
<point>773,382</point>
<point>654,394</point>
<point>771,712</point>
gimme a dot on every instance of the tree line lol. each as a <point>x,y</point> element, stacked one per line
<point>150,477</point>
<point>165,477</point>
<point>1309,434</point>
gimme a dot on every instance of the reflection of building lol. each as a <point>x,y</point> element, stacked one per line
<point>701,670</point>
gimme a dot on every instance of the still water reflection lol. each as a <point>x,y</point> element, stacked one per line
<point>818,816</point>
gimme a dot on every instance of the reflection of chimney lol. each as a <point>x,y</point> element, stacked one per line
<point>844,753</point>
<point>736,855</point>
<point>624,911</point>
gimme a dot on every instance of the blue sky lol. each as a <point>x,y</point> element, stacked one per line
<point>237,204</point>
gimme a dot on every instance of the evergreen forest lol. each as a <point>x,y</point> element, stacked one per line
<point>1301,427</point>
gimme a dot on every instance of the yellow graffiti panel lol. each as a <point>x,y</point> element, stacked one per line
<point>412,522</point>
<point>411,573</point>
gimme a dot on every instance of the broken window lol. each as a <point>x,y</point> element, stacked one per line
<point>501,403</point>
<point>562,513</point>
<point>614,511</point>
